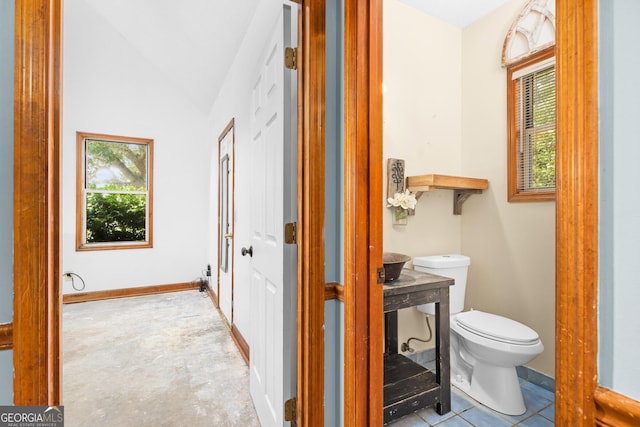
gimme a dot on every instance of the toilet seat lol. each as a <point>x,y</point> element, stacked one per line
<point>497,328</point>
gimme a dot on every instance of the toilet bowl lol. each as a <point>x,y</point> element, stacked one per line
<point>485,348</point>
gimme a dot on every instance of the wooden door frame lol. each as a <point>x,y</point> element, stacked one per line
<point>579,399</point>
<point>37,136</point>
<point>576,211</point>
<point>311,203</point>
<point>363,329</point>
<point>36,212</point>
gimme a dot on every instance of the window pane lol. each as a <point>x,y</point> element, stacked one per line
<point>114,203</point>
<point>544,97</point>
<point>543,160</point>
<point>116,217</point>
<point>531,101</point>
<point>116,166</point>
<point>538,150</point>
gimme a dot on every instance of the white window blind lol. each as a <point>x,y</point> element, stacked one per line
<point>536,126</point>
<point>538,66</point>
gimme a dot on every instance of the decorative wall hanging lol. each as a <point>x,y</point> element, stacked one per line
<point>395,177</point>
<point>534,30</point>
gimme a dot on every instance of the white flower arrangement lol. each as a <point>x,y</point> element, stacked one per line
<point>405,200</point>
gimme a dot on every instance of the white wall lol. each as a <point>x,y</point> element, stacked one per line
<point>422,124</point>
<point>511,245</point>
<point>109,88</point>
<point>445,113</point>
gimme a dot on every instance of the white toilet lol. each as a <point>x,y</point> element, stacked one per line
<point>485,348</point>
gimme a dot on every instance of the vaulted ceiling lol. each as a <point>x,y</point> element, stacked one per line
<point>193,42</point>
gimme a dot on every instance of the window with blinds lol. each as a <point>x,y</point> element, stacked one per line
<point>532,129</point>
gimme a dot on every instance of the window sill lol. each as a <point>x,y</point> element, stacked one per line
<point>112,246</point>
<point>547,196</point>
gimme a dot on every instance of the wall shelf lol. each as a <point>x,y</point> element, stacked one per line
<point>462,187</point>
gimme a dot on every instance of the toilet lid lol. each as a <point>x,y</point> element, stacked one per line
<point>496,327</point>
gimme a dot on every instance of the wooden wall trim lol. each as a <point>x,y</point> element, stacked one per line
<point>213,296</point>
<point>241,343</point>
<point>311,194</point>
<point>363,340</point>
<point>128,292</point>
<point>36,213</point>
<point>333,291</point>
<point>614,409</point>
<point>6,336</point>
<point>576,211</point>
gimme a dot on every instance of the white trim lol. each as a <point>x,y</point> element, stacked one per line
<point>533,68</point>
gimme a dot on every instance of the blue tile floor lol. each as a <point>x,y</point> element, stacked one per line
<point>466,412</point>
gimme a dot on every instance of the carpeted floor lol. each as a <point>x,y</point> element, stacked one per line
<point>159,360</point>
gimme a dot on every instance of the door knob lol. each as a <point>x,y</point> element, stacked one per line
<point>245,251</point>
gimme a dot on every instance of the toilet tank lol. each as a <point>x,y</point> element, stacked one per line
<point>454,266</point>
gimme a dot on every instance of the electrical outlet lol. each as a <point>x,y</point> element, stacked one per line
<point>67,276</point>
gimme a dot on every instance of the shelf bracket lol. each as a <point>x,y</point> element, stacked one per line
<point>462,187</point>
<point>459,197</point>
<point>418,194</point>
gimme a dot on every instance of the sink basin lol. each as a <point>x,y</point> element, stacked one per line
<point>393,264</point>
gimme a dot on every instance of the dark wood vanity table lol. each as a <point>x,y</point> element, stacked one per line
<point>409,386</point>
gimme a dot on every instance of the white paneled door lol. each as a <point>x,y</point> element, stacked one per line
<point>273,203</point>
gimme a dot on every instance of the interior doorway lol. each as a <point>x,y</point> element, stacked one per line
<point>36,338</point>
<point>223,289</point>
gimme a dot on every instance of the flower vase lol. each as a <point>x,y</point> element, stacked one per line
<point>399,216</point>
